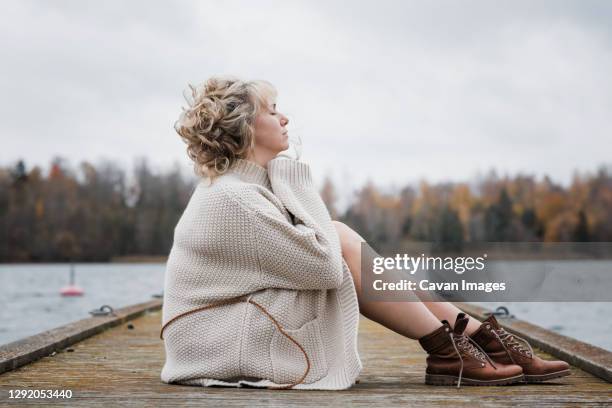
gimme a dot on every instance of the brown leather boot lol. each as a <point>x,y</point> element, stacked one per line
<point>507,348</point>
<point>453,358</point>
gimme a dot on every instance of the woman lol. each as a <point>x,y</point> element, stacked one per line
<point>260,286</point>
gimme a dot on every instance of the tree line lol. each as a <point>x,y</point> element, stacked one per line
<point>97,212</point>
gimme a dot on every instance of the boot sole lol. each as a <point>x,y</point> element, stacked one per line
<point>438,379</point>
<point>536,378</point>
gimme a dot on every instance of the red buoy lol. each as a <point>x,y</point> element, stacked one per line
<point>72,289</point>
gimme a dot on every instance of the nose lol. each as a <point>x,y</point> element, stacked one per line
<point>284,120</point>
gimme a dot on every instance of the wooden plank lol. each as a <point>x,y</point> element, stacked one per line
<point>122,366</point>
<point>25,351</point>
<point>592,359</point>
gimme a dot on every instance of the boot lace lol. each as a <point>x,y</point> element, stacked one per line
<point>514,342</point>
<point>466,345</point>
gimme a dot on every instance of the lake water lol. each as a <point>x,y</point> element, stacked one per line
<point>30,300</point>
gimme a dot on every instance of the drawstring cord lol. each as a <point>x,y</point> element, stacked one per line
<point>263,310</point>
<point>220,303</point>
<point>280,328</point>
<point>466,341</point>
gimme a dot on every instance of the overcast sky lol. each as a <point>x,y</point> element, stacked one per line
<point>387,91</point>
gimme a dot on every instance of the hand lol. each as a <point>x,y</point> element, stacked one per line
<point>294,151</point>
<point>285,154</point>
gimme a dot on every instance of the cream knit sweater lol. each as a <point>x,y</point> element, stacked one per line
<point>264,235</point>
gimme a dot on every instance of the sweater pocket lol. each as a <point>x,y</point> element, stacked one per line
<point>288,361</point>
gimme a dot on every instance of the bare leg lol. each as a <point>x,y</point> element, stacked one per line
<point>448,311</point>
<point>412,319</point>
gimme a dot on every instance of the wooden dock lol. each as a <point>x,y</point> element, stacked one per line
<point>121,365</point>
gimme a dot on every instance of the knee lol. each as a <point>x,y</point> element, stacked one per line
<point>340,226</point>
<point>343,231</point>
<point>349,239</point>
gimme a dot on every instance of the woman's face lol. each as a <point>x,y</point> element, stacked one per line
<point>271,135</point>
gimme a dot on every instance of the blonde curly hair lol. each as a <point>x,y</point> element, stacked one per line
<point>218,123</point>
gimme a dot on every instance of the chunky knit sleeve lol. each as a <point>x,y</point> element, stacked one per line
<point>305,255</point>
<point>292,183</point>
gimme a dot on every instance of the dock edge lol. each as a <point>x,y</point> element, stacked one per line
<point>32,348</point>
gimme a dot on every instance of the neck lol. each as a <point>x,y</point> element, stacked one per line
<point>261,158</point>
<point>251,172</point>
